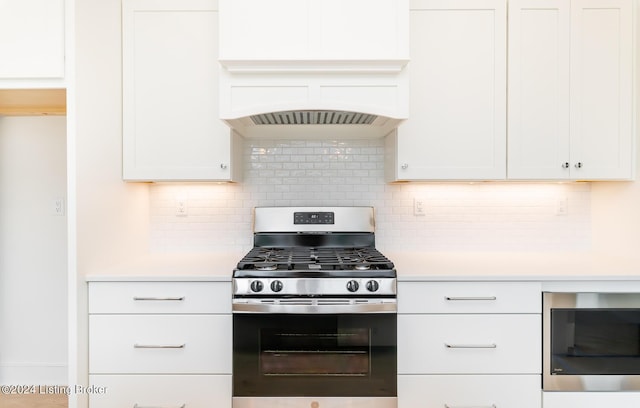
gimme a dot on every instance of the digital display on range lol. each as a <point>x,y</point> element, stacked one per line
<point>313,217</point>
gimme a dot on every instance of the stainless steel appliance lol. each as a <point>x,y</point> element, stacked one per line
<point>591,341</point>
<point>314,312</point>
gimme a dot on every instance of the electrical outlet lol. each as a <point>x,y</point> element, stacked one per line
<point>562,206</point>
<point>419,206</point>
<point>181,208</point>
<point>57,207</point>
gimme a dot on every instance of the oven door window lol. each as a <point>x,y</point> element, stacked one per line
<point>343,352</point>
<point>314,355</point>
<point>595,341</point>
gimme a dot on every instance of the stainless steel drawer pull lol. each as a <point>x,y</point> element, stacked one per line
<point>176,298</point>
<point>470,406</point>
<point>471,346</point>
<point>160,346</point>
<point>156,406</point>
<point>470,298</point>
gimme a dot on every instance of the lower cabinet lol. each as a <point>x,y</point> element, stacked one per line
<point>590,399</point>
<point>469,344</point>
<point>192,391</point>
<point>477,391</point>
<point>160,344</point>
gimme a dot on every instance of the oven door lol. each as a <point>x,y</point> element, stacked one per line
<point>314,355</point>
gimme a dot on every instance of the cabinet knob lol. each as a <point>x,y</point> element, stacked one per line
<point>223,166</point>
<point>405,166</point>
<point>565,165</point>
<point>578,165</point>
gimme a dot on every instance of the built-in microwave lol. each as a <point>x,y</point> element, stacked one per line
<point>591,341</point>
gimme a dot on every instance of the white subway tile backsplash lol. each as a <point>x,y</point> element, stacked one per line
<point>458,216</point>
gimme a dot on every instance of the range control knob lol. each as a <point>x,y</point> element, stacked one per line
<point>372,286</point>
<point>352,286</point>
<point>276,286</point>
<point>257,286</point>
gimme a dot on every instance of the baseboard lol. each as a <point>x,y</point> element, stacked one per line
<point>33,373</point>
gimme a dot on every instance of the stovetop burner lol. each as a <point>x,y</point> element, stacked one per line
<point>314,259</point>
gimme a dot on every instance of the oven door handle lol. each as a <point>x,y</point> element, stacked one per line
<point>317,307</point>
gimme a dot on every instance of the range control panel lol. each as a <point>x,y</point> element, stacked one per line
<point>313,218</point>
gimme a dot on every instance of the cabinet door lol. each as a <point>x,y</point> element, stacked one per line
<point>469,391</point>
<point>538,98</point>
<point>601,89</point>
<point>171,125</point>
<point>457,125</point>
<point>32,39</point>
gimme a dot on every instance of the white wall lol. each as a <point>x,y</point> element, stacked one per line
<point>112,216</point>
<point>33,276</point>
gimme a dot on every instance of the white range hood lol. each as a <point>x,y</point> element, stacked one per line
<point>320,70</point>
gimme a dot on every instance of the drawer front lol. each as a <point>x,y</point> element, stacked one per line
<point>159,297</point>
<point>160,391</point>
<point>591,399</point>
<point>160,344</point>
<point>469,297</point>
<point>469,344</point>
<point>457,391</point>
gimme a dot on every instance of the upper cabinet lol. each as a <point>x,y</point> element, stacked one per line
<point>171,123</point>
<point>313,30</point>
<point>32,41</point>
<point>570,92</point>
<point>457,107</point>
<point>570,89</point>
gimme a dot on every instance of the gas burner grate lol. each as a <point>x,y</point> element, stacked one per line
<point>322,258</point>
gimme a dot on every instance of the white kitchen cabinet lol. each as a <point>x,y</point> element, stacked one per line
<point>160,343</point>
<point>313,30</point>
<point>192,391</point>
<point>469,344</point>
<point>171,122</point>
<point>159,298</point>
<point>479,391</point>
<point>570,89</point>
<point>469,298</point>
<point>32,39</point>
<point>590,399</point>
<point>457,121</point>
<point>601,89</point>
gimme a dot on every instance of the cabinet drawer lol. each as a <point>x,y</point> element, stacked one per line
<point>469,297</point>
<point>190,391</point>
<point>142,344</point>
<point>469,344</point>
<point>159,297</point>
<point>590,399</point>
<point>477,391</point>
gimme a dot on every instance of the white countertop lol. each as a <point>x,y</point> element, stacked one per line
<point>170,267</point>
<point>410,265</point>
<point>470,266</point>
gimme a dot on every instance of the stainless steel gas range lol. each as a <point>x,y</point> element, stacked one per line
<point>314,312</point>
